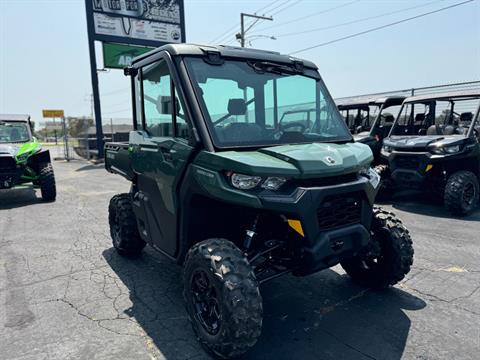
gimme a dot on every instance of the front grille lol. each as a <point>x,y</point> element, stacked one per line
<point>340,210</point>
<point>406,162</point>
<point>327,181</point>
<point>7,164</point>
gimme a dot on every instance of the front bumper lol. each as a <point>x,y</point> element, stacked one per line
<point>10,172</point>
<point>335,219</point>
<point>414,170</point>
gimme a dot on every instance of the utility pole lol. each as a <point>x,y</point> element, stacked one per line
<point>241,36</point>
<point>94,79</point>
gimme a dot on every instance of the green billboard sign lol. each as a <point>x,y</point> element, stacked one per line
<point>118,56</point>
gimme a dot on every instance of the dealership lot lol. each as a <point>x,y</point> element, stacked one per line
<point>65,294</point>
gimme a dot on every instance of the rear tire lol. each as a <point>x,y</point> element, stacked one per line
<point>48,188</point>
<point>461,193</point>
<point>222,298</point>
<point>123,226</point>
<point>386,186</point>
<point>394,258</point>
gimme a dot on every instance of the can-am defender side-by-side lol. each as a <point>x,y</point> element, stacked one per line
<point>22,158</point>
<point>434,146</point>
<point>370,119</point>
<point>238,196</point>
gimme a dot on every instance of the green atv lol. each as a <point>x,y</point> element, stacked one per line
<point>237,193</point>
<point>22,159</point>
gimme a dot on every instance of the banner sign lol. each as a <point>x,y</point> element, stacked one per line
<point>141,22</point>
<point>119,56</point>
<point>53,113</point>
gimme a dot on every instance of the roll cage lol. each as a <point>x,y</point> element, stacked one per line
<point>431,118</point>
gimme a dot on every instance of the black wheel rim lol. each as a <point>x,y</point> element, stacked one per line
<point>205,302</point>
<point>374,259</point>
<point>468,195</point>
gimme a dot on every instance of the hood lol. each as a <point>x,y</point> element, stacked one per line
<point>300,160</point>
<point>16,149</point>
<point>9,149</point>
<point>361,137</point>
<point>412,142</point>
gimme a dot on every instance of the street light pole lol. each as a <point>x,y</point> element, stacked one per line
<point>243,31</point>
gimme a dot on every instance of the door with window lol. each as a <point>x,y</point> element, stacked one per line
<point>161,153</point>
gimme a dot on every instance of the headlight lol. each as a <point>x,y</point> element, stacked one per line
<point>23,157</point>
<point>244,182</point>
<point>387,148</point>
<point>273,182</point>
<point>442,150</point>
<point>371,175</point>
<point>452,149</point>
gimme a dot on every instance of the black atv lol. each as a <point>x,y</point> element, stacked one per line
<point>23,161</point>
<point>370,119</point>
<point>238,193</point>
<point>434,146</point>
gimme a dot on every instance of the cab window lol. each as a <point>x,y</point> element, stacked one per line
<point>158,107</point>
<point>157,104</point>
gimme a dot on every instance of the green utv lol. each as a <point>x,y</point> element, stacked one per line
<point>434,146</point>
<point>22,158</point>
<point>239,194</point>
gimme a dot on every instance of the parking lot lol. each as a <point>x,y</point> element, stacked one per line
<point>65,294</point>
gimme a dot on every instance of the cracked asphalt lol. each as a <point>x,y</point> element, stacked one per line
<point>65,294</point>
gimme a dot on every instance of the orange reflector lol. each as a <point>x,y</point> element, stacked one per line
<point>429,167</point>
<point>297,226</point>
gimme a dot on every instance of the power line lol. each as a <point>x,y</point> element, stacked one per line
<point>115,92</point>
<point>310,15</point>
<point>229,33</point>
<point>380,27</point>
<point>285,8</point>
<point>116,112</point>
<point>358,20</point>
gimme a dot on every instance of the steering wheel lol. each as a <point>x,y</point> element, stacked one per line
<point>293,124</point>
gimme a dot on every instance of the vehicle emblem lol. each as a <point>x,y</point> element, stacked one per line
<point>330,160</point>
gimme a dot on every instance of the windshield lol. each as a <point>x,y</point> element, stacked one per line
<point>13,132</point>
<point>360,118</point>
<point>261,104</point>
<point>436,117</point>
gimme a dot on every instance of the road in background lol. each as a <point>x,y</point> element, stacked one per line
<point>65,294</point>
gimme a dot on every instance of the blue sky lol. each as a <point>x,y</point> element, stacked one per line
<point>44,52</point>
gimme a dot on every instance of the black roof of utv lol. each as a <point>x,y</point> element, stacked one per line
<point>449,95</point>
<point>224,51</point>
<point>14,117</point>
<point>364,101</point>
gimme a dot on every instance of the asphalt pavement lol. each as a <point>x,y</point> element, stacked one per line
<point>66,294</point>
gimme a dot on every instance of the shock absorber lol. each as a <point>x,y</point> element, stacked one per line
<point>250,233</point>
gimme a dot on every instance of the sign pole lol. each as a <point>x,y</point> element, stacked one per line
<point>94,78</point>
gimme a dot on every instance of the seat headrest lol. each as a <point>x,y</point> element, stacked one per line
<point>466,117</point>
<point>420,118</point>
<point>389,118</point>
<point>237,107</point>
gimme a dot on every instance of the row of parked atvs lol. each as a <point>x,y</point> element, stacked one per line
<point>425,142</point>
